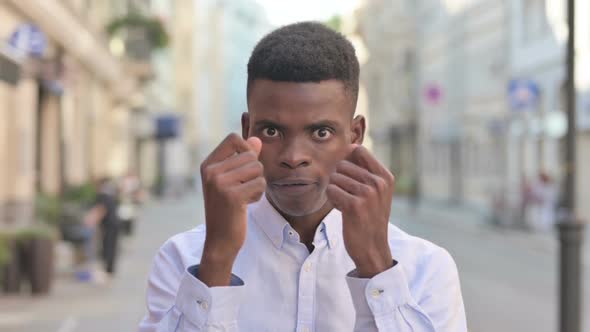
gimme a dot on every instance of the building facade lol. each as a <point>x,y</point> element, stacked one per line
<point>387,29</point>
<point>474,146</point>
<point>226,33</point>
<point>64,116</point>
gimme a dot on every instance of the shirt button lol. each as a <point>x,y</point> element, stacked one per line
<point>307,267</point>
<point>375,293</point>
<point>305,329</point>
<point>291,233</point>
<point>204,305</point>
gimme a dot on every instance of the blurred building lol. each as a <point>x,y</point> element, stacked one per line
<point>463,74</point>
<point>64,101</point>
<point>387,29</point>
<point>481,84</point>
<point>225,34</point>
<point>538,42</point>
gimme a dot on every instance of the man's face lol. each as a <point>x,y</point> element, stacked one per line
<point>305,129</point>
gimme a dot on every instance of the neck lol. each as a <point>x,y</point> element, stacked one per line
<point>307,225</point>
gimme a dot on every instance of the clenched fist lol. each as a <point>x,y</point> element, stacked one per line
<point>362,189</point>
<point>232,178</point>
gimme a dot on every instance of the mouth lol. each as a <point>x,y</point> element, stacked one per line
<point>293,186</point>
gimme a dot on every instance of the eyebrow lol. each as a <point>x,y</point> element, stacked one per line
<point>267,123</point>
<point>319,124</point>
<point>323,123</point>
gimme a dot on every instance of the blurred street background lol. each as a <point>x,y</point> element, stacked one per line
<point>115,103</point>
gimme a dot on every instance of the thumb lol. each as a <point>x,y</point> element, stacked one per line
<point>255,143</point>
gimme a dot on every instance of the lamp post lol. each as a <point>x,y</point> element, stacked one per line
<point>570,227</point>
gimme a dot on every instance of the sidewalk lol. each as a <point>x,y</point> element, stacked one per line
<point>509,278</point>
<point>74,306</point>
<point>469,220</point>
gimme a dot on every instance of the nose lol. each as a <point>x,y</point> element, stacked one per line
<point>294,155</point>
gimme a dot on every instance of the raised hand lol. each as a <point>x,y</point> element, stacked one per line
<point>232,178</point>
<point>362,189</point>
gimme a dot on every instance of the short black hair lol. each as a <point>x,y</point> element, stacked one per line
<point>305,52</point>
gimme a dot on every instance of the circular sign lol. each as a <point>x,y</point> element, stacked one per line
<point>28,39</point>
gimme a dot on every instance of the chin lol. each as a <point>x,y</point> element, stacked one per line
<point>298,206</point>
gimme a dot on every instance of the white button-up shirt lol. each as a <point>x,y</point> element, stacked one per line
<point>277,285</point>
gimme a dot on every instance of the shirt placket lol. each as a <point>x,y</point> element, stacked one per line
<point>307,285</point>
<point>306,294</point>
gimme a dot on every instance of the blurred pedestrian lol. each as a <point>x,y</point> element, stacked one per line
<point>103,216</point>
<point>526,199</point>
<point>543,203</point>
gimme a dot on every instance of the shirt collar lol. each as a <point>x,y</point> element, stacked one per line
<point>275,226</point>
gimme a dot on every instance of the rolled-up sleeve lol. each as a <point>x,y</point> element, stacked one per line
<point>178,301</point>
<point>385,302</point>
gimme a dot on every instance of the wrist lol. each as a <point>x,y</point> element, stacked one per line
<point>374,264</point>
<point>215,268</point>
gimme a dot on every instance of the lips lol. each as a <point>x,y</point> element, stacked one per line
<point>293,186</point>
<point>293,182</point>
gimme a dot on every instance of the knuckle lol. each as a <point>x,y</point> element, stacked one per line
<point>249,155</point>
<point>362,189</point>
<point>355,204</point>
<point>259,167</point>
<point>380,184</point>
<point>233,138</point>
<point>389,177</point>
<point>333,178</point>
<point>217,181</point>
<point>207,173</point>
<point>370,191</point>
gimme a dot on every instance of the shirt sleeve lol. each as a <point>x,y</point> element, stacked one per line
<point>178,301</point>
<point>385,303</point>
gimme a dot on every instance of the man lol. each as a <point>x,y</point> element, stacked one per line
<point>297,234</point>
<point>103,213</point>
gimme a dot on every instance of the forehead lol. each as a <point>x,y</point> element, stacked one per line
<point>292,101</point>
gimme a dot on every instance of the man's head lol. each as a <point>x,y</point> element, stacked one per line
<point>303,84</point>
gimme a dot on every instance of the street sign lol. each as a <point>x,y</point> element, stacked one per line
<point>28,40</point>
<point>167,126</point>
<point>523,95</point>
<point>433,93</point>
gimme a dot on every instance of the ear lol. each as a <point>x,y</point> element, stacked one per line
<point>245,125</point>
<point>358,128</point>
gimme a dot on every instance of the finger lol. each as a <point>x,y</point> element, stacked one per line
<point>253,189</point>
<point>339,197</point>
<point>244,173</point>
<point>356,172</point>
<point>231,145</point>
<point>362,157</point>
<point>233,162</point>
<point>255,143</point>
<point>349,185</point>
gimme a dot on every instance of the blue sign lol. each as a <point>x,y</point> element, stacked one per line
<point>523,94</point>
<point>167,126</point>
<point>28,39</point>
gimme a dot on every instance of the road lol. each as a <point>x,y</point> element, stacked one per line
<point>509,278</point>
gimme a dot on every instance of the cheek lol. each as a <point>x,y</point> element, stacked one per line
<point>266,157</point>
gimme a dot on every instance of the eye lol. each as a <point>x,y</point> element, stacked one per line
<point>322,134</point>
<point>270,132</point>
